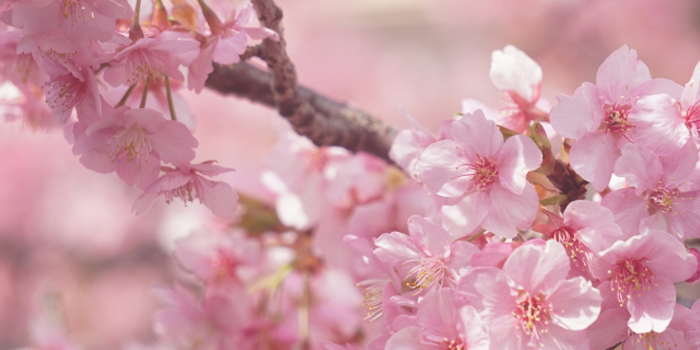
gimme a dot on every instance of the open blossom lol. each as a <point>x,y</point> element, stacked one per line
<point>664,194</point>
<point>68,91</point>
<point>642,271</point>
<point>625,105</point>
<point>217,258</point>
<point>66,27</point>
<point>530,304</point>
<point>443,321</point>
<point>426,256</point>
<point>152,58</point>
<point>225,45</point>
<point>133,142</point>
<point>186,183</point>
<point>584,228</point>
<point>484,177</point>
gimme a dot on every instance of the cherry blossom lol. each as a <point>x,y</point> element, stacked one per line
<point>484,176</point>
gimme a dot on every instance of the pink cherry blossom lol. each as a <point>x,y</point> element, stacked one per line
<point>641,271</point>
<point>426,256</point>
<point>442,322</point>
<point>66,27</point>
<point>624,105</point>
<point>530,304</point>
<point>664,193</point>
<point>585,228</point>
<point>217,258</point>
<point>152,58</point>
<point>228,41</point>
<point>68,91</point>
<point>484,175</point>
<point>133,142</point>
<point>186,183</point>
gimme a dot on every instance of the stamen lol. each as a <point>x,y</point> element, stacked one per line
<point>533,314</point>
<point>372,297</point>
<point>428,272</point>
<point>616,120</point>
<point>628,277</point>
<point>483,174</point>
<point>574,247</point>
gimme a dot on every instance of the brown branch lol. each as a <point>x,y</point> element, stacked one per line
<point>324,121</point>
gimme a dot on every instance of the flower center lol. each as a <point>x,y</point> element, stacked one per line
<point>131,144</point>
<point>574,247</point>
<point>692,116</point>
<point>428,272</point>
<point>64,92</point>
<point>663,198</point>
<point>533,314</point>
<point>141,65</point>
<point>187,192</point>
<point>372,297</point>
<point>224,265</point>
<point>483,173</point>
<point>616,120</point>
<point>629,276</point>
<point>453,344</point>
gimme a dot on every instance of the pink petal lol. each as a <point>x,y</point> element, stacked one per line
<point>537,269</point>
<point>395,248</point>
<point>560,338</point>
<point>640,167</point>
<point>440,168</point>
<point>229,49</point>
<point>667,257</point>
<point>594,223</point>
<point>652,309</point>
<point>620,72</point>
<point>488,292</point>
<point>478,135</point>
<point>628,208</point>
<point>513,70</point>
<point>680,166</point>
<point>220,198</point>
<point>431,235</point>
<point>199,70</point>
<point>467,214</point>
<point>691,93</point>
<point>407,339</point>
<point>575,304</point>
<point>658,124</point>
<point>574,116</point>
<point>593,157</point>
<point>437,316</point>
<point>509,211</point>
<point>517,157</point>
<point>473,329</point>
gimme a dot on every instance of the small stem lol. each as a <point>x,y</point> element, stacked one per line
<point>145,93</point>
<point>169,93</point>
<point>477,235</point>
<point>126,95</point>
<point>304,313</point>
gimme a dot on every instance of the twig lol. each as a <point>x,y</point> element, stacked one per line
<point>324,121</point>
<point>333,123</point>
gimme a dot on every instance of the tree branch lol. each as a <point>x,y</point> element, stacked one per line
<point>326,122</point>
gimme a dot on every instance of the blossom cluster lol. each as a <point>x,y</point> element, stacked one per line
<point>108,73</point>
<point>527,226</point>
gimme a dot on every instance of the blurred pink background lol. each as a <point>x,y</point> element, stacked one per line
<point>67,234</point>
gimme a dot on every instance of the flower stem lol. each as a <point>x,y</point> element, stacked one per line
<point>126,96</point>
<point>169,93</point>
<point>145,93</point>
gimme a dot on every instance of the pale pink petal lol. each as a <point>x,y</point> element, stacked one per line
<point>461,254</point>
<point>140,176</point>
<point>658,86</point>
<point>628,208</point>
<point>560,338</point>
<point>488,292</point>
<point>536,269</point>
<point>260,33</point>
<point>687,215</point>
<point>574,116</point>
<point>513,70</point>
<point>680,166</point>
<point>610,328</point>
<point>517,157</point>
<point>575,304</point>
<point>438,315</point>
<point>691,91</point>
<point>407,339</point>
<point>620,72</point>
<point>199,70</point>
<point>174,143</point>
<point>470,106</point>
<point>593,157</point>
<point>440,168</point>
<point>395,248</point>
<point>640,167</point>
<point>467,214</point>
<point>144,202</point>
<point>594,224</point>
<point>478,135</point>
<point>658,124</point>
<point>229,49</point>
<point>652,309</point>
<point>667,257</point>
<point>509,211</point>
<point>473,329</point>
<point>219,197</point>
<point>431,235</point>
